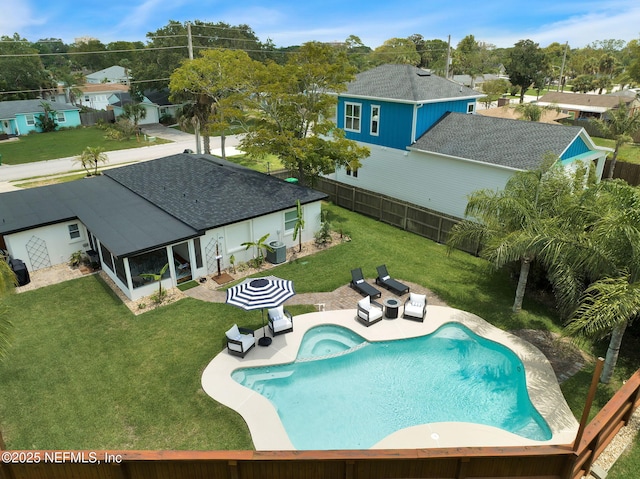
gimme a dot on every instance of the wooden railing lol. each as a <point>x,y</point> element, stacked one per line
<point>548,462</point>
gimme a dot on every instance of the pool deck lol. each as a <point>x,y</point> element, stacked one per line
<point>268,433</point>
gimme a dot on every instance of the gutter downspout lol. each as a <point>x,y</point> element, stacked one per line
<point>414,122</point>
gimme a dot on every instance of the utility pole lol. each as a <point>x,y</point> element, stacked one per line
<point>197,126</point>
<point>448,58</point>
<point>564,58</point>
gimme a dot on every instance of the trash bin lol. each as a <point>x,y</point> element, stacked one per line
<point>20,269</point>
<point>291,180</point>
<point>279,253</point>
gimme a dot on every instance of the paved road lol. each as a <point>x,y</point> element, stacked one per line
<point>180,142</point>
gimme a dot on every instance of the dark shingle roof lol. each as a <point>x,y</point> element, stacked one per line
<point>123,221</point>
<point>406,83</point>
<point>206,192</point>
<point>147,205</point>
<point>511,143</point>
<point>10,108</point>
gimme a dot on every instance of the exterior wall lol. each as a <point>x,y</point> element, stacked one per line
<point>55,239</point>
<point>439,183</point>
<point>71,119</point>
<point>577,147</point>
<point>151,118</point>
<point>395,122</point>
<point>429,113</point>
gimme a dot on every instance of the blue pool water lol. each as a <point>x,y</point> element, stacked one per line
<point>343,392</point>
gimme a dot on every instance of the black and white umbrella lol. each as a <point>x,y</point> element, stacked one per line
<point>260,293</point>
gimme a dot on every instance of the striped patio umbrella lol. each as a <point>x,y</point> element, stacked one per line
<point>260,293</point>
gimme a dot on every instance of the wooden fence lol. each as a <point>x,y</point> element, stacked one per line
<point>540,462</point>
<point>90,118</point>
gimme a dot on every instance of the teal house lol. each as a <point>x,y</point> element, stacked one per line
<point>19,117</point>
<point>430,148</point>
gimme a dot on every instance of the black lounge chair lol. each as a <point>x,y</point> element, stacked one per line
<point>361,286</point>
<point>388,282</point>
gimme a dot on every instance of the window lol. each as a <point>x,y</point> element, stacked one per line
<point>60,117</point>
<point>375,120</point>
<point>74,231</point>
<point>31,120</point>
<point>353,173</point>
<point>290,219</point>
<point>471,107</point>
<point>352,114</point>
<point>198,249</point>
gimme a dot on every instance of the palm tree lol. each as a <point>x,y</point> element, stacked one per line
<point>8,282</point>
<point>508,224</point>
<point>620,125</point>
<point>299,226</point>
<point>134,112</point>
<point>259,245</point>
<point>533,112</point>
<point>601,266</point>
<point>90,157</point>
<point>157,277</point>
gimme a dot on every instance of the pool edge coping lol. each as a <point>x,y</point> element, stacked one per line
<point>267,430</point>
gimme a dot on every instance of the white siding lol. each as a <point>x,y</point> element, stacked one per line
<point>438,183</point>
<point>56,239</point>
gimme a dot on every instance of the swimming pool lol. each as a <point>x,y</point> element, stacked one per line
<point>344,392</point>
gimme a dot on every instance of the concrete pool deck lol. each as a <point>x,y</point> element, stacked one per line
<point>268,433</point>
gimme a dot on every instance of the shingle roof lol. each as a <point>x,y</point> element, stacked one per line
<point>125,222</point>
<point>511,143</point>
<point>406,83</point>
<point>207,192</point>
<point>584,99</point>
<point>143,206</point>
<point>10,108</point>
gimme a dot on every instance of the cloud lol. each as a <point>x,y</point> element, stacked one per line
<point>19,18</point>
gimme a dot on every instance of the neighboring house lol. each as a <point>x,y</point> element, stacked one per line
<point>96,96</point>
<point>477,81</point>
<point>428,148</point>
<point>114,74</point>
<point>188,211</point>
<point>156,103</point>
<point>19,117</point>
<point>511,112</point>
<point>583,106</point>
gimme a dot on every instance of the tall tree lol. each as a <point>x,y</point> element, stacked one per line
<point>505,223</point>
<point>22,74</point>
<point>134,112</point>
<point>525,63</point>
<point>87,55</point>
<point>212,81</point>
<point>396,50</point>
<point>620,125</point>
<point>294,105</point>
<point>594,264</point>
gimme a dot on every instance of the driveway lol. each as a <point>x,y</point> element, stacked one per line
<point>180,142</point>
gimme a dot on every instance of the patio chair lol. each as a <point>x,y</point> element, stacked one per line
<point>240,341</point>
<point>388,282</point>
<point>361,286</point>
<point>280,321</point>
<point>415,307</point>
<point>369,311</point>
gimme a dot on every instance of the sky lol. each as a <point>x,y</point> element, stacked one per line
<point>286,22</point>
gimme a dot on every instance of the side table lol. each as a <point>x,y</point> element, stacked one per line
<point>391,307</point>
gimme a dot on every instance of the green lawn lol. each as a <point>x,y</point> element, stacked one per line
<point>85,373</point>
<point>629,152</point>
<point>62,144</point>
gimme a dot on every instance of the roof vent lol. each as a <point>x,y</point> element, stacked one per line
<point>424,73</point>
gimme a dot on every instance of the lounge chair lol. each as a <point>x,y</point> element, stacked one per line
<point>361,286</point>
<point>240,340</point>
<point>415,307</point>
<point>388,282</point>
<point>369,311</point>
<point>280,321</point>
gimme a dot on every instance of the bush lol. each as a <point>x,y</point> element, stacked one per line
<point>121,130</point>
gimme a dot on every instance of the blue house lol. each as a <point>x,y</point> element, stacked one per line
<point>19,117</point>
<point>429,148</point>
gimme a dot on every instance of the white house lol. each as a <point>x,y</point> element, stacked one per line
<point>188,211</point>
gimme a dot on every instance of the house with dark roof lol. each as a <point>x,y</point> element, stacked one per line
<point>428,147</point>
<point>156,103</point>
<point>192,212</point>
<point>20,117</point>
